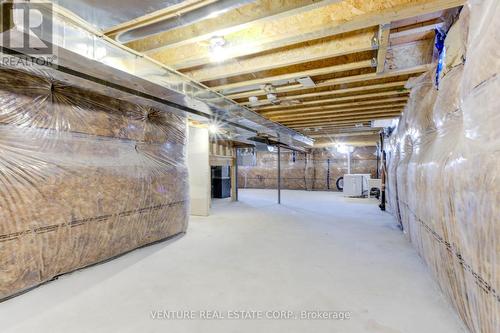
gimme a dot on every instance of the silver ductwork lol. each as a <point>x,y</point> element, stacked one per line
<point>97,63</point>
<point>211,10</point>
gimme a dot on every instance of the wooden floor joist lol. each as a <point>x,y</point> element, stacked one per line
<point>366,132</point>
<point>398,84</point>
<point>341,128</point>
<point>310,111</point>
<point>340,121</point>
<point>289,76</point>
<point>336,18</point>
<point>354,42</point>
<point>341,113</point>
<point>383,41</point>
<point>367,103</point>
<point>332,128</point>
<point>255,13</point>
<point>366,98</point>
<point>364,112</point>
<point>358,55</point>
<point>333,82</point>
<point>336,134</point>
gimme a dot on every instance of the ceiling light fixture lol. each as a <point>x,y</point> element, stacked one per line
<point>213,128</point>
<point>344,149</point>
<point>218,51</point>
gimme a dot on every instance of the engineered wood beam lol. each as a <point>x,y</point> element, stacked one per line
<point>348,120</point>
<point>312,72</point>
<point>342,129</point>
<point>350,142</point>
<point>339,45</point>
<point>332,82</point>
<point>336,18</point>
<point>409,54</point>
<point>340,112</point>
<point>264,102</point>
<point>276,108</point>
<point>305,111</point>
<point>258,12</point>
<point>332,129</point>
<point>383,41</point>
<point>331,115</point>
<point>338,127</point>
<point>290,76</point>
<point>418,28</point>
<point>340,135</point>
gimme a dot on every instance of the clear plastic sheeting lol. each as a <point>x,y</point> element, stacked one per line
<point>483,44</point>
<point>264,174</point>
<point>83,178</point>
<point>444,163</point>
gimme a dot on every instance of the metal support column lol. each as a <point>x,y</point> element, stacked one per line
<point>348,162</point>
<point>279,175</point>
<point>236,174</point>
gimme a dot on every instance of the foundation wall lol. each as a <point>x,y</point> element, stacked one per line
<point>83,178</point>
<point>443,165</point>
<point>317,169</point>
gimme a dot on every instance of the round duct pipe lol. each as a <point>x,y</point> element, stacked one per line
<point>209,11</point>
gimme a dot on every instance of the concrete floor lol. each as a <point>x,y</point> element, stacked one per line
<point>317,251</point>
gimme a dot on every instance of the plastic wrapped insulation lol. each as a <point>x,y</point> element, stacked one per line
<point>83,178</point>
<point>318,169</point>
<point>448,191</point>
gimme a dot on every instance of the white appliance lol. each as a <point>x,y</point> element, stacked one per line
<point>356,185</point>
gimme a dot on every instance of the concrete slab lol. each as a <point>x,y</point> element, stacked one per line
<point>316,252</point>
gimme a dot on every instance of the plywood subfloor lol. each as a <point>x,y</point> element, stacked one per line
<point>317,251</point>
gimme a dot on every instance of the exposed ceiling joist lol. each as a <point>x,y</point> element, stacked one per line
<point>364,97</point>
<point>348,120</point>
<point>355,142</point>
<point>358,103</point>
<point>357,41</point>
<point>342,135</point>
<point>312,72</point>
<point>342,112</point>
<point>342,128</point>
<point>345,117</point>
<point>417,28</point>
<point>332,82</point>
<point>346,128</point>
<point>309,111</point>
<point>356,54</point>
<point>383,40</point>
<point>342,109</point>
<point>340,17</point>
<point>400,84</point>
<point>225,23</point>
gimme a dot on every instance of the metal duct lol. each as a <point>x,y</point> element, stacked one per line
<point>209,11</point>
<point>96,62</point>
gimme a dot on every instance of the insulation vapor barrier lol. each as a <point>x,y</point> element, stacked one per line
<point>444,160</point>
<point>318,169</point>
<point>83,178</point>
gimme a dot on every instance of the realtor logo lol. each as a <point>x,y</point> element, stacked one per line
<point>26,27</point>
